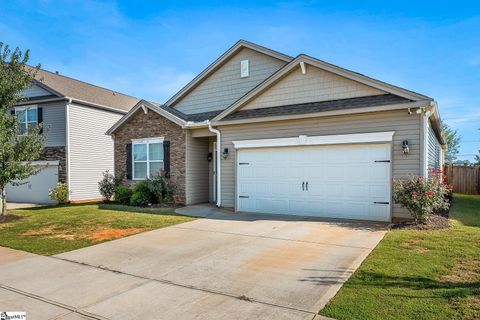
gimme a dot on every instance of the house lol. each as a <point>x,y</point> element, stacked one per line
<point>75,116</point>
<point>260,131</point>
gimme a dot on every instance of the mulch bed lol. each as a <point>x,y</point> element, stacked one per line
<point>438,220</point>
<point>434,223</point>
<point>9,218</point>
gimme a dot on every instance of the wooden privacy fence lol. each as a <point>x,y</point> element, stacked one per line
<point>464,179</point>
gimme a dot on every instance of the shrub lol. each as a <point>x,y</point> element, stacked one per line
<point>59,193</point>
<point>107,185</point>
<point>422,197</point>
<point>143,194</point>
<point>162,187</point>
<point>123,194</point>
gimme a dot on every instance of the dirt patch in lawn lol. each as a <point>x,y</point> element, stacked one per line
<point>40,232</point>
<point>9,218</point>
<point>435,222</point>
<point>464,271</point>
<point>107,234</point>
<point>51,233</point>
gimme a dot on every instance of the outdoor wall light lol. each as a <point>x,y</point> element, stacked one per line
<point>210,156</point>
<point>225,153</point>
<point>405,147</point>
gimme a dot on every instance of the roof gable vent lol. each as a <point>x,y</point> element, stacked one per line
<point>244,69</point>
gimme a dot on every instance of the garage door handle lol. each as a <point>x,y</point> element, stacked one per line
<point>303,186</point>
<point>380,202</point>
<point>306,186</point>
<point>243,196</point>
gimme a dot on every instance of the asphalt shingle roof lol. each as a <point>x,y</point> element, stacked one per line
<point>313,107</point>
<point>80,90</point>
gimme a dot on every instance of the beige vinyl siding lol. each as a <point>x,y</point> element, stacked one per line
<point>54,123</point>
<point>35,91</point>
<point>225,85</point>
<point>433,150</point>
<point>90,149</point>
<point>196,167</point>
<point>316,85</point>
<point>406,127</point>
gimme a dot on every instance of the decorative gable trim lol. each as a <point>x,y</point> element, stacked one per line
<point>304,59</point>
<point>219,62</point>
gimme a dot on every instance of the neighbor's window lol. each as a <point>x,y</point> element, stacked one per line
<point>147,159</point>
<point>27,116</point>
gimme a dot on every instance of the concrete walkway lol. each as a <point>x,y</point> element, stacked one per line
<point>225,266</point>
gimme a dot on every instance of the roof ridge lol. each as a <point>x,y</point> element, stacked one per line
<point>84,82</point>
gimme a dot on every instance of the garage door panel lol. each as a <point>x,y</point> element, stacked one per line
<point>35,189</point>
<point>344,181</point>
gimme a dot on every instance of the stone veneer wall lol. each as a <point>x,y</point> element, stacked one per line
<point>59,154</point>
<point>152,125</point>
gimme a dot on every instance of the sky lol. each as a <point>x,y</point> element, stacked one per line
<point>151,49</point>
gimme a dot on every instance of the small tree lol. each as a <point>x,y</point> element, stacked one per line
<point>452,138</point>
<point>16,152</point>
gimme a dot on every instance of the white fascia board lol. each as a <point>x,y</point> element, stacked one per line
<point>370,137</point>
<point>392,107</point>
<point>182,123</point>
<point>222,59</point>
<point>303,59</point>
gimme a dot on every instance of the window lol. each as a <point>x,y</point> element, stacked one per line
<point>147,158</point>
<point>27,116</point>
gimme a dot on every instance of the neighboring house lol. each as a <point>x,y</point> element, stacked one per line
<point>75,116</point>
<point>260,131</point>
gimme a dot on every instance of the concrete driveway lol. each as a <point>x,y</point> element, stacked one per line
<point>224,266</point>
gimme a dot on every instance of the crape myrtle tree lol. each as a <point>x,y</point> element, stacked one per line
<point>18,146</point>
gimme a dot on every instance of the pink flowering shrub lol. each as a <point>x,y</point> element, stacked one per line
<point>421,196</point>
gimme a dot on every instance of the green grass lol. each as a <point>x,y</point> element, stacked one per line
<point>52,230</point>
<point>419,274</point>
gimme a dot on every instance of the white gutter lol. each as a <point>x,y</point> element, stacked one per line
<point>67,142</point>
<point>218,170</point>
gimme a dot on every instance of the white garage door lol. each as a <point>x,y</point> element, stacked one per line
<point>341,181</point>
<point>36,188</point>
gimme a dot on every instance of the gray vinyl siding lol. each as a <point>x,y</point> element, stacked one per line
<point>406,127</point>
<point>197,180</point>
<point>225,85</point>
<point>54,123</point>
<point>433,150</point>
<point>35,91</point>
<point>314,86</point>
<point>91,150</point>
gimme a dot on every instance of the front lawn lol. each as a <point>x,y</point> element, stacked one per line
<point>419,274</point>
<point>52,230</point>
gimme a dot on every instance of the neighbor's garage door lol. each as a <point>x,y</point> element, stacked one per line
<point>341,181</point>
<point>35,190</point>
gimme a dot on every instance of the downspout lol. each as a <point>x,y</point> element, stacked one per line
<point>67,142</point>
<point>218,161</point>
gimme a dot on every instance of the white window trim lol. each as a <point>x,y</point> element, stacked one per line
<point>24,108</point>
<point>317,140</point>
<point>146,141</point>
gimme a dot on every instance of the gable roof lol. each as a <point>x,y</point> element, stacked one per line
<point>82,92</point>
<point>304,59</point>
<point>220,61</point>
<point>153,106</point>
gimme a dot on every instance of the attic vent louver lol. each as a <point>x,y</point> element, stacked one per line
<point>244,70</point>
